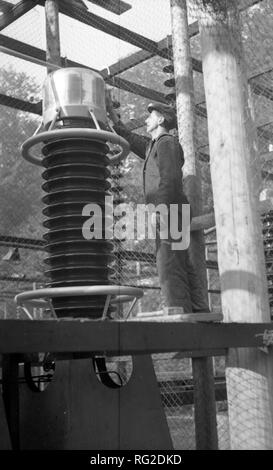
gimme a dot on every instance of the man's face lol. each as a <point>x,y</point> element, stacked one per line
<point>154,120</point>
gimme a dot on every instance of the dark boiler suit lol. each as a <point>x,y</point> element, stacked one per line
<point>162,184</point>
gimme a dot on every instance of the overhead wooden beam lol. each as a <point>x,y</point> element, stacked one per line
<point>151,48</point>
<point>158,49</point>
<point>140,56</point>
<point>31,52</point>
<point>165,44</point>
<point>5,6</point>
<point>34,54</point>
<point>262,90</point>
<point>21,55</point>
<point>115,6</point>
<point>15,12</point>
<point>119,82</point>
<point>109,27</point>
<point>127,63</point>
<point>161,48</point>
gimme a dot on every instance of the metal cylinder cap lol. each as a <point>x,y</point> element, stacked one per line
<point>74,92</point>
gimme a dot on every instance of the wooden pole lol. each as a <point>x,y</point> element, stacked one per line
<point>205,407</point>
<point>53,52</point>
<point>239,235</point>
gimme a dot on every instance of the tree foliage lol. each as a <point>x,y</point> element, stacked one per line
<point>20,181</point>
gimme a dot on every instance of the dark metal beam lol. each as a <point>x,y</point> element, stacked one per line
<point>129,337</point>
<point>15,12</point>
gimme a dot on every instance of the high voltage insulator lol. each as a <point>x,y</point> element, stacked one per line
<point>76,160</point>
<point>75,176</point>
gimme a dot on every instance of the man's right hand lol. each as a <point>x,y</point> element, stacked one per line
<point>113,115</point>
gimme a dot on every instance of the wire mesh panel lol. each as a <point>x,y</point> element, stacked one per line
<point>174,375</point>
<point>175,381</point>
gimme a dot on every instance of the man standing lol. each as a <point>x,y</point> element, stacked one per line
<point>162,183</point>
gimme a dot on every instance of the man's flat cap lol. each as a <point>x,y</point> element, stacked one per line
<point>167,111</point>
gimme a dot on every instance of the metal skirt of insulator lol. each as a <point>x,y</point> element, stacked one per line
<point>75,175</point>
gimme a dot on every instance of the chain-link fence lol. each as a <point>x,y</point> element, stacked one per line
<point>131,56</point>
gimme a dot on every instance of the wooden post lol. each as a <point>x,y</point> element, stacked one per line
<point>53,53</point>
<point>249,372</point>
<point>205,407</point>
